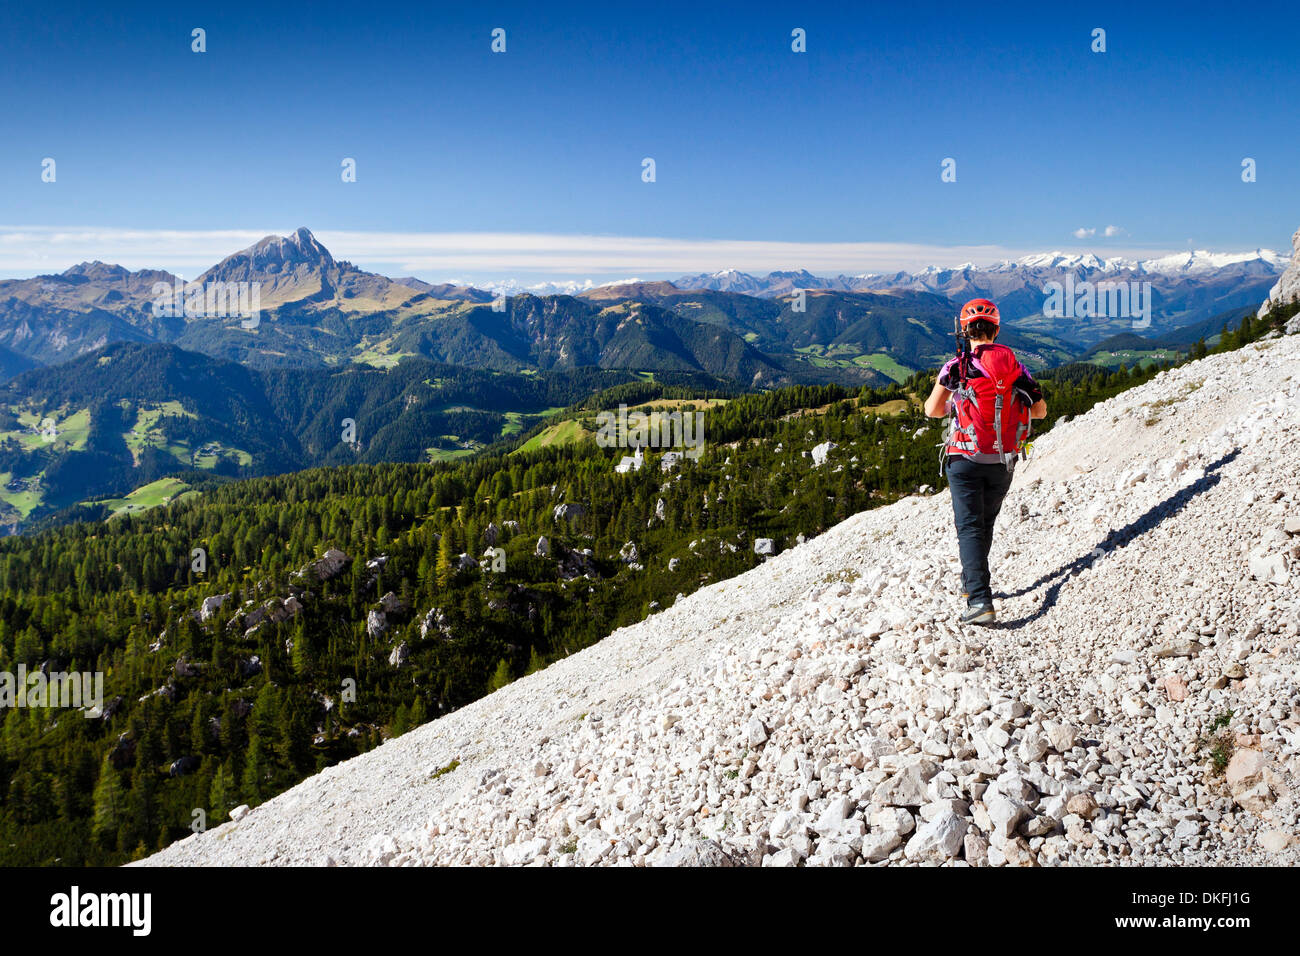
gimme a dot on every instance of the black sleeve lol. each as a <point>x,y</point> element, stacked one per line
<point>1026,384</point>
<point>948,375</point>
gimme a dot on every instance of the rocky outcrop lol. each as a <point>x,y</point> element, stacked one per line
<point>211,605</point>
<point>327,566</point>
<point>399,655</point>
<point>273,611</point>
<point>1287,288</point>
<point>569,512</point>
<point>571,563</point>
<point>377,619</point>
<point>435,623</point>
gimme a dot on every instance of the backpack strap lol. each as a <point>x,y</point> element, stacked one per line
<point>997,424</point>
<point>1022,437</point>
<point>1025,430</point>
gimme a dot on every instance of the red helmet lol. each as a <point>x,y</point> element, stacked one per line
<point>979,309</point>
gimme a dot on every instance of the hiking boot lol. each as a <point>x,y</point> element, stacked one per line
<point>979,614</point>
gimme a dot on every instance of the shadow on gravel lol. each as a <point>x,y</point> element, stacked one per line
<point>1119,538</point>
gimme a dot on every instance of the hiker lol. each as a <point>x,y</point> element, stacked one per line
<point>992,398</point>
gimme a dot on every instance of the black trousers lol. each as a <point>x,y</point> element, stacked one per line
<point>977,493</point>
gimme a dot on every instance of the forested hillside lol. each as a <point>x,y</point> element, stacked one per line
<point>124,416</point>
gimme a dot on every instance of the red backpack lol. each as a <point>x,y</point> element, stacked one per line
<point>990,415</point>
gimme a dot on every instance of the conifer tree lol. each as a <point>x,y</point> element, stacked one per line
<point>110,805</point>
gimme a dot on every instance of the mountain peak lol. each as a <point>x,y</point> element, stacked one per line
<point>297,258</point>
<point>300,246</point>
<point>96,270</point>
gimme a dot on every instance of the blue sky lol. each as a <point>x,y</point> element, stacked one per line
<point>167,157</point>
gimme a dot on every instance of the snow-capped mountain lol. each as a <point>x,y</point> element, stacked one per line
<point>1186,286</point>
<point>510,287</point>
<point>1044,265</point>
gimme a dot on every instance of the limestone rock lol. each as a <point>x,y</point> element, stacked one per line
<point>940,839</point>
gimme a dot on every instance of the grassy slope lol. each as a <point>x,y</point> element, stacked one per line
<point>160,492</point>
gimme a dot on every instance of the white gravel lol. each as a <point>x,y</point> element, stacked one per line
<point>824,708</point>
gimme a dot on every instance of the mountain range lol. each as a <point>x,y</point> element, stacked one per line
<point>108,392</point>
<point>1185,287</point>
<point>320,311</point>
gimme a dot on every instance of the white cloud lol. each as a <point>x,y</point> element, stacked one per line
<point>1083,233</point>
<point>479,257</point>
<point>1113,231</point>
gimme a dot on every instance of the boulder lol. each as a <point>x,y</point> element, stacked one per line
<point>1005,815</point>
<point>820,452</point>
<point>186,668</point>
<point>122,753</point>
<point>1184,647</point>
<point>1082,805</point>
<point>896,819</point>
<point>702,853</point>
<point>392,604</point>
<point>182,766</point>
<point>435,620</point>
<point>1267,566</point>
<point>1248,776</point>
<point>1174,687</point>
<point>938,840</point>
<point>1275,841</point>
<point>877,845</point>
<point>568,512</point>
<point>211,605</point>
<point>907,788</point>
<point>399,655</point>
<point>327,566</point>
<point>1061,737</point>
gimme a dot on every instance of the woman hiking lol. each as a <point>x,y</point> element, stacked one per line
<point>992,398</point>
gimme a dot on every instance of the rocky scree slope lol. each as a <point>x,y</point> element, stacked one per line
<point>1139,702</point>
<point>1287,289</point>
